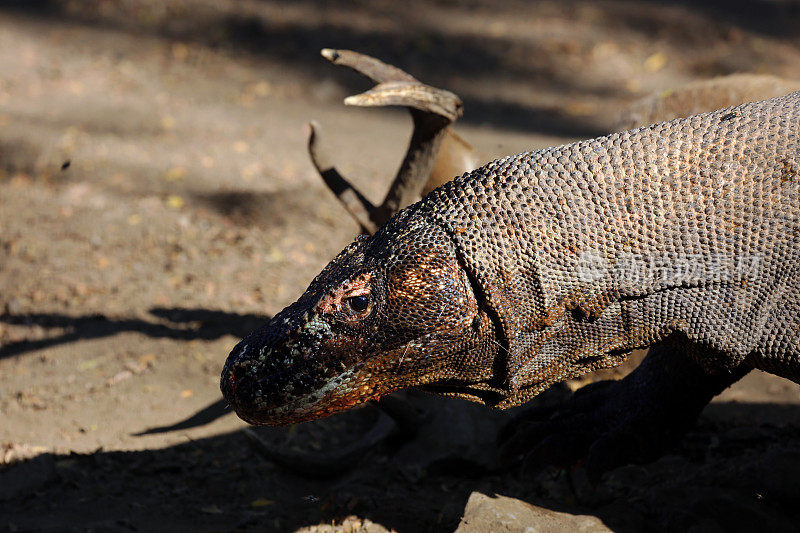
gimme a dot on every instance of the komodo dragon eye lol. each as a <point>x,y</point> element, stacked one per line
<point>359,303</point>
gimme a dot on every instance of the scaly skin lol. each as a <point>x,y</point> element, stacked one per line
<point>684,236</point>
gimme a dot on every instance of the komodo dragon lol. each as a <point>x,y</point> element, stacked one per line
<point>682,236</point>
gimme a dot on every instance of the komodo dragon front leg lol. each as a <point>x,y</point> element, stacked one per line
<point>683,236</point>
<point>612,423</point>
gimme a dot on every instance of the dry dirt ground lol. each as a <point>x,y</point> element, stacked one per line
<point>156,203</point>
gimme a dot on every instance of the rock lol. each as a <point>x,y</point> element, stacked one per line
<point>500,513</point>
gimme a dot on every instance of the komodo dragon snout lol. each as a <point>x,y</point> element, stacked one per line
<point>377,319</point>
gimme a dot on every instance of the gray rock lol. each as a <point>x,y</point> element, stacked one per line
<point>485,514</point>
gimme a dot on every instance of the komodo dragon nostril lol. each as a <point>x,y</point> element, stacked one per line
<point>236,376</point>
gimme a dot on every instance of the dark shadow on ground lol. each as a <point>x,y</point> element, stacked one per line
<point>18,155</point>
<point>769,17</point>
<point>289,208</point>
<point>724,476</point>
<point>171,323</point>
<point>213,484</point>
<point>202,417</point>
<point>514,116</point>
<point>441,57</point>
<point>433,54</point>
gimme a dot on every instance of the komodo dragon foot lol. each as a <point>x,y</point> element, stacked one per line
<point>608,424</point>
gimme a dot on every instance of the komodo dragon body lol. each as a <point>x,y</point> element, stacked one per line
<point>682,236</point>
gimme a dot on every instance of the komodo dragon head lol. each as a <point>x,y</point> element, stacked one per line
<point>390,311</point>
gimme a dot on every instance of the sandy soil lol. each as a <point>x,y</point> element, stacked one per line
<point>157,203</point>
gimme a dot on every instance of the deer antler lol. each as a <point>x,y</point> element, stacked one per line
<point>432,111</point>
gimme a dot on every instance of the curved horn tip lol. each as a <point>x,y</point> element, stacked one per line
<point>330,54</point>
